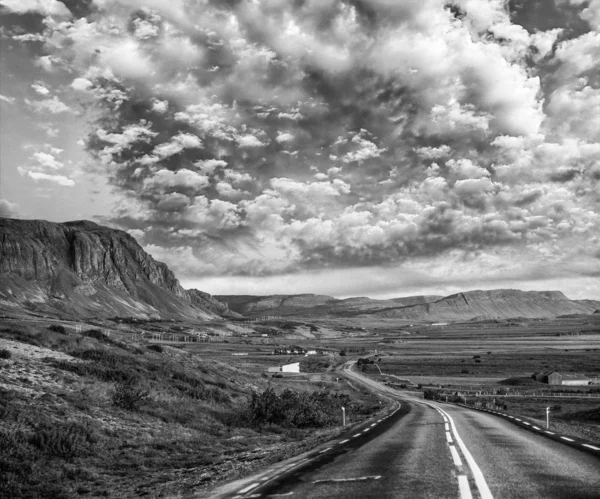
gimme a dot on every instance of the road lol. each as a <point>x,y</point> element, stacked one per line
<point>434,450</point>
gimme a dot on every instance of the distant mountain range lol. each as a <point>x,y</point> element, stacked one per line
<point>470,305</point>
<point>81,269</point>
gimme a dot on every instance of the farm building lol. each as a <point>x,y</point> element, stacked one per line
<point>287,368</point>
<point>566,379</point>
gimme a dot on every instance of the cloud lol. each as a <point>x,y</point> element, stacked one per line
<point>44,165</point>
<point>8,100</point>
<point>52,106</point>
<point>44,7</point>
<point>265,137</point>
<point>8,209</point>
<point>40,89</point>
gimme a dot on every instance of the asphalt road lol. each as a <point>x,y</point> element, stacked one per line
<point>434,450</point>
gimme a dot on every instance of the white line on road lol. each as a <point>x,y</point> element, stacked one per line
<point>482,486</point>
<point>525,422</point>
<point>591,446</point>
<point>463,486</point>
<point>446,427</point>
<point>357,479</point>
<point>549,432</point>
<point>373,425</point>
<point>325,450</point>
<point>455,456</point>
<point>448,437</point>
<point>535,428</point>
<point>356,435</point>
<point>568,439</point>
<point>517,419</point>
<point>281,495</point>
<point>344,441</point>
<point>248,488</point>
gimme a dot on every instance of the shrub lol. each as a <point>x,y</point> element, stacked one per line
<point>297,409</point>
<point>5,354</point>
<point>57,328</point>
<point>156,348</point>
<point>129,394</point>
<point>64,440</point>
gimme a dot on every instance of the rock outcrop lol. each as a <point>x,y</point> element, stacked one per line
<point>83,269</point>
<point>494,304</point>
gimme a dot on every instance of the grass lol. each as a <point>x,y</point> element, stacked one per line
<point>119,419</point>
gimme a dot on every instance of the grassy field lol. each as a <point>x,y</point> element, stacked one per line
<point>86,415</point>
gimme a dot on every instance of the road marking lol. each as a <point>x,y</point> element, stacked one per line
<point>357,479</point>
<point>590,446</point>
<point>549,432</point>
<point>463,487</point>
<point>248,488</point>
<point>535,428</point>
<point>448,437</point>
<point>482,486</point>
<point>325,450</point>
<point>446,427</point>
<point>525,422</point>
<point>373,425</point>
<point>568,439</point>
<point>517,419</point>
<point>455,456</point>
<point>281,495</point>
<point>357,435</point>
<point>344,441</point>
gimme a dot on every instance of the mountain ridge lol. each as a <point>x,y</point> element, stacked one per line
<point>83,269</point>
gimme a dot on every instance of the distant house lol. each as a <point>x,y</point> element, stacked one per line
<point>311,352</point>
<point>287,368</point>
<point>565,379</point>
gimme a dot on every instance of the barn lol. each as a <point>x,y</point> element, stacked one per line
<point>565,379</point>
<point>287,368</point>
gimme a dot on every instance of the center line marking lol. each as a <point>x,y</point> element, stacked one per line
<point>455,456</point>
<point>448,437</point>
<point>568,439</point>
<point>482,486</point>
<point>357,435</point>
<point>343,441</point>
<point>357,479</point>
<point>463,487</point>
<point>525,422</point>
<point>325,450</point>
<point>549,432</point>
<point>446,427</point>
<point>590,446</point>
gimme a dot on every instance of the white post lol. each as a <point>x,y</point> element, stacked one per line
<point>547,418</point>
<point>343,416</point>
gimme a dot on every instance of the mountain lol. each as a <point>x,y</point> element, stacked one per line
<point>313,305</point>
<point>494,304</point>
<point>82,269</point>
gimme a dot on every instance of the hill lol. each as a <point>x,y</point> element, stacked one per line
<point>493,304</point>
<point>312,305</point>
<point>82,269</point>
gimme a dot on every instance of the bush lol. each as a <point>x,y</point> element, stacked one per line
<point>129,394</point>
<point>297,409</point>
<point>156,348</point>
<point>5,354</point>
<point>57,328</point>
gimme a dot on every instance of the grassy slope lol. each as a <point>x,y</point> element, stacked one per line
<point>63,433</point>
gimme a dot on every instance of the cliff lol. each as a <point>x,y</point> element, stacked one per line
<point>494,304</point>
<point>82,269</point>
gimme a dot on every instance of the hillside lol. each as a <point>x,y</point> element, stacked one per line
<point>313,305</point>
<point>494,304</point>
<point>81,269</point>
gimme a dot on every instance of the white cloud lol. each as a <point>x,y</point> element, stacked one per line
<point>8,209</point>
<point>283,137</point>
<point>8,100</point>
<point>40,88</point>
<point>44,7</point>
<point>183,179</point>
<point>53,106</point>
<point>177,144</point>
<point>81,84</point>
<point>248,140</point>
<point>58,179</point>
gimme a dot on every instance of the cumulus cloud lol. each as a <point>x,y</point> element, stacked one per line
<point>265,137</point>
<point>8,209</point>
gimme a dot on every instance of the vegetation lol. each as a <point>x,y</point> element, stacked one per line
<point>57,328</point>
<point>5,354</point>
<point>297,409</point>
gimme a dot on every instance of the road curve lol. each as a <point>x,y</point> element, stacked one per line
<point>435,450</point>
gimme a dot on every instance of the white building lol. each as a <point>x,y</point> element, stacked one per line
<point>287,368</point>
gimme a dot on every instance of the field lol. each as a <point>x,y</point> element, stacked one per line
<point>130,409</point>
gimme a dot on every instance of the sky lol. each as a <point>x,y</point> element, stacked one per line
<point>376,148</point>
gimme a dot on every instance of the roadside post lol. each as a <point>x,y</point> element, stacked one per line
<point>343,416</point>
<point>547,418</point>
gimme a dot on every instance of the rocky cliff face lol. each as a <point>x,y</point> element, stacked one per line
<point>81,268</point>
<point>494,304</point>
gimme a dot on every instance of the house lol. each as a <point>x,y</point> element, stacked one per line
<point>311,352</point>
<point>564,379</point>
<point>287,368</point>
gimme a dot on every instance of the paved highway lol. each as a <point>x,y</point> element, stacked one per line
<point>432,450</point>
